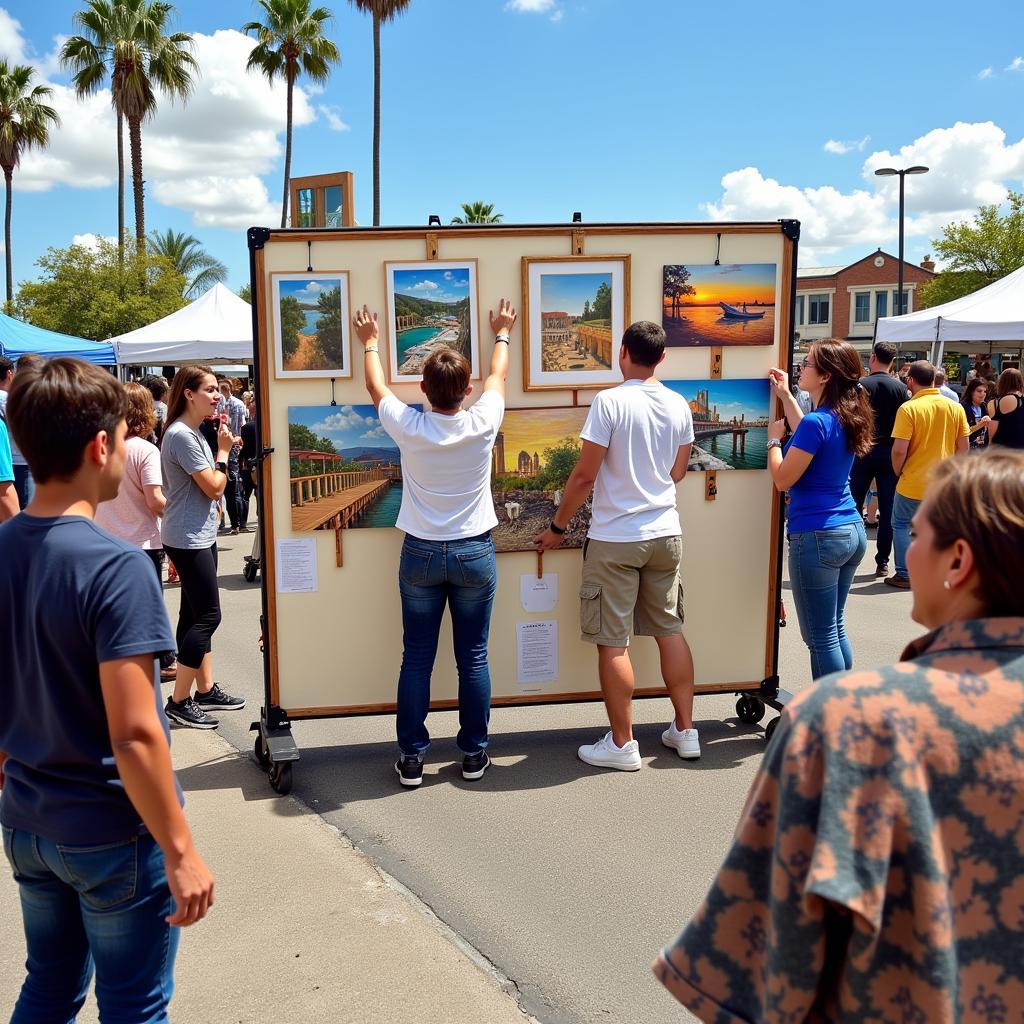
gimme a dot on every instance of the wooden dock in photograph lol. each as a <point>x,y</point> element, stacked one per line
<point>332,500</point>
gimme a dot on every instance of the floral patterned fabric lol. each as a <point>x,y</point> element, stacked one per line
<point>877,872</point>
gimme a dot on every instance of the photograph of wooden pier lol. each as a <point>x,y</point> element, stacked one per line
<point>345,471</point>
<point>730,422</point>
<point>706,304</point>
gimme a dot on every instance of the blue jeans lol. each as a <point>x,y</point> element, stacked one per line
<point>821,568</point>
<point>24,485</point>
<point>903,510</point>
<point>462,574</point>
<point>93,907</point>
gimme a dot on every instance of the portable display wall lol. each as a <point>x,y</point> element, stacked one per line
<point>337,651</point>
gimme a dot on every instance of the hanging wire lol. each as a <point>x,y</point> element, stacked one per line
<point>718,262</point>
<point>334,401</point>
<point>309,258</point>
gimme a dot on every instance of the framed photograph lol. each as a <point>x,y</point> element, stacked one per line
<point>311,324</point>
<point>344,470</point>
<point>730,422</point>
<point>575,310</point>
<point>534,453</point>
<point>732,304</point>
<point>430,304</point>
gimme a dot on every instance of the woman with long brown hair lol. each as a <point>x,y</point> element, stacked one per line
<point>193,482</point>
<point>1007,410</point>
<point>973,402</point>
<point>825,528</point>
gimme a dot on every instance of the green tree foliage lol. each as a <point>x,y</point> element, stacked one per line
<point>289,42</point>
<point>293,323</point>
<point>676,286</point>
<point>977,253</point>
<point>586,310</point>
<point>602,308</point>
<point>301,438</point>
<point>381,11</point>
<point>558,462</point>
<point>94,293</point>
<point>25,123</point>
<point>245,292</point>
<point>478,213</point>
<point>328,326</point>
<point>200,270</point>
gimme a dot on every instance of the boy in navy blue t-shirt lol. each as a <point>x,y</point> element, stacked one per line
<point>91,811</point>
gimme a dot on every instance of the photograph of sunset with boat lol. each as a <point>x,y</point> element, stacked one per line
<point>430,305</point>
<point>731,304</point>
<point>311,325</point>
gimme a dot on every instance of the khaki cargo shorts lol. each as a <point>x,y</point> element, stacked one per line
<point>630,587</point>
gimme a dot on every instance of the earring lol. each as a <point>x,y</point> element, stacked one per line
<point>947,584</point>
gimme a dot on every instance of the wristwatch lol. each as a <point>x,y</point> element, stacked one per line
<point>501,337</point>
<point>556,529</point>
<point>773,443</point>
<point>222,467</point>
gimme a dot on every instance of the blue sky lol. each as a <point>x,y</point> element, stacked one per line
<point>566,293</point>
<point>438,285</point>
<point>626,112</point>
<point>732,397</point>
<point>348,426</point>
<point>306,291</point>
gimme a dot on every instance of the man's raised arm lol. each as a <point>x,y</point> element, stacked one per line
<point>368,333</point>
<point>500,325</point>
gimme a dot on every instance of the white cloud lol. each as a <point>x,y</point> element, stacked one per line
<point>373,435</point>
<point>448,275</point>
<point>346,418</point>
<point>971,164</point>
<point>332,115</point>
<point>530,6</point>
<point>92,241</point>
<point>1017,64</point>
<point>842,148</point>
<point>424,286</point>
<point>17,50</point>
<point>985,73</point>
<point>557,16</point>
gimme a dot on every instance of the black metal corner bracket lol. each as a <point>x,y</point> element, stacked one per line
<point>257,237</point>
<point>770,686</point>
<point>791,229</point>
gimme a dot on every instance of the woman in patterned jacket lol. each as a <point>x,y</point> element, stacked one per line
<point>877,873</point>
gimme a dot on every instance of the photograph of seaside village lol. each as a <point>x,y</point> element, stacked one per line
<point>431,308</point>
<point>575,322</point>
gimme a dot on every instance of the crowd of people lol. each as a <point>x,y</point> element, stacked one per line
<point>844,889</point>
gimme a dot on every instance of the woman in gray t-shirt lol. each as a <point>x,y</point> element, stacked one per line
<point>193,482</point>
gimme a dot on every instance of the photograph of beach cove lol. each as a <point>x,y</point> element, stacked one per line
<point>311,314</point>
<point>430,305</point>
<point>731,304</point>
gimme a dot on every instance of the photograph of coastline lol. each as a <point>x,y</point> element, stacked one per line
<point>730,422</point>
<point>429,305</point>
<point>533,455</point>
<point>576,310</point>
<point>731,304</point>
<point>345,472</point>
<point>311,324</point>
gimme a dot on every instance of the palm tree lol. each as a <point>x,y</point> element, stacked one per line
<point>290,42</point>
<point>200,270</point>
<point>382,11</point>
<point>478,213</point>
<point>127,39</point>
<point>25,122</point>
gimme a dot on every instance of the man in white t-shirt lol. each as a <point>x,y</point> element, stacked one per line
<point>447,514</point>
<point>636,448</point>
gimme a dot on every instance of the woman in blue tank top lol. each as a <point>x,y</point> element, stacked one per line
<point>825,529</point>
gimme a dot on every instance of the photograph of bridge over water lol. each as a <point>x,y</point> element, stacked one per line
<point>731,304</point>
<point>430,305</point>
<point>534,453</point>
<point>311,325</point>
<point>345,472</point>
<point>730,422</point>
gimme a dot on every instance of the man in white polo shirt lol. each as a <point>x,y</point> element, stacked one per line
<point>448,556</point>
<point>636,447</point>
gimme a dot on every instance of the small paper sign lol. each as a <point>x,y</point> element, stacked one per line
<point>538,594</point>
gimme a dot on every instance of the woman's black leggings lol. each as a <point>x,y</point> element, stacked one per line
<point>156,556</point>
<point>199,616</point>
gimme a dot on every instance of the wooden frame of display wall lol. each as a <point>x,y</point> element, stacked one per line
<point>729,514</point>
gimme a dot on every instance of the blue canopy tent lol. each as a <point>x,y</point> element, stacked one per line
<point>18,337</point>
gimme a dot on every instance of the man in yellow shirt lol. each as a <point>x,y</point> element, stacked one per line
<point>928,429</point>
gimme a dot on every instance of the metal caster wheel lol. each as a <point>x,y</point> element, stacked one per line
<point>281,778</point>
<point>750,709</point>
<point>262,757</point>
<point>769,729</point>
<point>250,572</point>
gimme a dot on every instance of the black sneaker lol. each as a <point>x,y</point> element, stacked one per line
<point>216,699</point>
<point>882,570</point>
<point>474,765</point>
<point>189,714</point>
<point>410,770</point>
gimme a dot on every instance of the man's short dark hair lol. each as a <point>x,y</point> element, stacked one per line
<point>645,342</point>
<point>6,366</point>
<point>55,408</point>
<point>445,377</point>
<point>884,352</point>
<point>922,372</point>
<point>158,386</point>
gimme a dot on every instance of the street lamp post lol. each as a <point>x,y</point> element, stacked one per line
<point>888,172</point>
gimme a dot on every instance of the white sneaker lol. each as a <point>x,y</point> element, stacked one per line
<point>685,742</point>
<point>604,754</point>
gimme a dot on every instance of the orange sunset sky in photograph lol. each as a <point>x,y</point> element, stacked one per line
<point>751,282</point>
<point>533,430</point>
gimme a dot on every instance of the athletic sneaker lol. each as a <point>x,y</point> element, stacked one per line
<point>410,770</point>
<point>604,754</point>
<point>217,700</point>
<point>189,714</point>
<point>685,742</point>
<point>474,765</point>
<point>882,570</point>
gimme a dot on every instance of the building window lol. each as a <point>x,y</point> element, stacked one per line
<point>881,304</point>
<point>897,311</point>
<point>304,214</point>
<point>862,307</point>
<point>333,204</point>
<point>819,311</point>
<point>799,311</point>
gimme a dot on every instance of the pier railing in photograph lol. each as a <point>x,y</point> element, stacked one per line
<point>333,499</point>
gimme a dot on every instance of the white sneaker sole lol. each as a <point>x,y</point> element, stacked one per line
<point>472,776</point>
<point>686,756</point>
<point>187,724</point>
<point>411,783</point>
<point>622,766</point>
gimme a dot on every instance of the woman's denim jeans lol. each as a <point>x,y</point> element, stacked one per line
<point>462,574</point>
<point>96,907</point>
<point>821,568</point>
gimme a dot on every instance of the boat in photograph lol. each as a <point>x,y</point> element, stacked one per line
<point>739,314</point>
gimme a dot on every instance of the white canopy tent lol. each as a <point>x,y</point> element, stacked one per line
<point>215,329</point>
<point>994,313</point>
